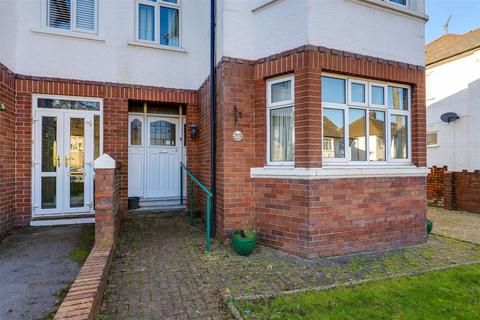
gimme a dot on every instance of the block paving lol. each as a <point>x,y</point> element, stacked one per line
<point>161,271</point>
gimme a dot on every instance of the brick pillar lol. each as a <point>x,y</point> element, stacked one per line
<point>107,199</point>
<point>308,114</point>
<point>448,191</point>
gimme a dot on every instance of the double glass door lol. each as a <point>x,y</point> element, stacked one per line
<point>63,161</point>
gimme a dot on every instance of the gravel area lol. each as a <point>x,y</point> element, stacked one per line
<point>456,224</point>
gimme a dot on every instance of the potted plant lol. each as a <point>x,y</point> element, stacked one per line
<point>429,226</point>
<point>244,241</point>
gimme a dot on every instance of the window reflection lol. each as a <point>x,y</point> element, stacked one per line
<point>376,139</point>
<point>162,133</point>
<point>357,134</point>
<point>399,144</point>
<point>333,133</point>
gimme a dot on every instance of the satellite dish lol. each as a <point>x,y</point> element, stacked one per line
<point>449,117</point>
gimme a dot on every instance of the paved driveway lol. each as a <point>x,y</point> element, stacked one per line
<point>456,224</point>
<point>161,271</point>
<point>35,264</point>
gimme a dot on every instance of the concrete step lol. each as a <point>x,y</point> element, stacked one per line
<point>158,202</point>
<point>176,209</point>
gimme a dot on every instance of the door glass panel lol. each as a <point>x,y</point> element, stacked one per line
<point>68,104</point>
<point>49,192</point>
<point>96,137</point>
<point>49,144</point>
<point>136,133</point>
<point>77,161</point>
<point>162,133</point>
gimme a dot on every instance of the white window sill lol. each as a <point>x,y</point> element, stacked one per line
<point>399,9</point>
<point>433,146</point>
<point>68,34</point>
<point>339,172</point>
<point>156,46</point>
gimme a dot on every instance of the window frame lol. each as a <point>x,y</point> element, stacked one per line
<point>157,4</point>
<point>432,145</point>
<point>279,105</point>
<point>370,107</point>
<point>73,18</point>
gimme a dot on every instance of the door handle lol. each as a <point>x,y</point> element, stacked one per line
<point>56,161</point>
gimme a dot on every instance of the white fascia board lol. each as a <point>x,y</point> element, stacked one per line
<point>333,172</point>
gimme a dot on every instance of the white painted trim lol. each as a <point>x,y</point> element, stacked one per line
<point>67,34</point>
<point>152,45</point>
<point>60,222</point>
<point>336,172</point>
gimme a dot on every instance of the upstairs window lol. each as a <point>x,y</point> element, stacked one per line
<point>73,15</point>
<point>398,2</point>
<point>365,122</point>
<point>158,21</point>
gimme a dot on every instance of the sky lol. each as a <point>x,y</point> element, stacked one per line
<point>465,17</point>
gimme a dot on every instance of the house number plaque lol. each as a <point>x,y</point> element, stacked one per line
<point>237,136</point>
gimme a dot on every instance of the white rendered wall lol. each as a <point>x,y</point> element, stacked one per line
<point>355,26</point>
<point>113,59</point>
<point>8,32</point>
<point>455,87</point>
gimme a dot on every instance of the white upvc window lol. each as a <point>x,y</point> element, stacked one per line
<point>432,139</point>
<point>281,121</point>
<point>158,22</point>
<point>73,15</point>
<point>403,3</point>
<point>365,122</point>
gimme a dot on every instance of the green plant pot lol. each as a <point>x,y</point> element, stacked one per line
<point>429,226</point>
<point>243,246</point>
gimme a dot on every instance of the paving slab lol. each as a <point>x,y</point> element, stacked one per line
<point>35,264</point>
<point>161,271</point>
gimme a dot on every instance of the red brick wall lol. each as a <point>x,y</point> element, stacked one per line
<point>339,216</point>
<point>435,189</point>
<point>7,151</point>
<point>115,104</point>
<point>454,190</point>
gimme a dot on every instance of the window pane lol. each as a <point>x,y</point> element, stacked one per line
<point>357,134</point>
<point>398,131</point>
<point>49,192</point>
<point>402,2</point>
<point>77,162</point>
<point>333,90</point>
<point>281,91</point>
<point>136,133</point>
<point>432,139</point>
<point>378,95</point>
<point>146,22</point>
<point>86,14</point>
<point>282,133</point>
<point>59,14</point>
<point>171,1</point>
<point>162,133</point>
<point>333,133</point>
<point>49,144</point>
<point>68,104</point>
<point>376,139</point>
<point>397,98</point>
<point>169,27</point>
<point>358,92</point>
<point>96,137</point>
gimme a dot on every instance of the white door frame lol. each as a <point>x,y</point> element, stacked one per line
<point>62,140</point>
<point>180,138</point>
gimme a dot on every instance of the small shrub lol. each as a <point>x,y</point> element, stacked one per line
<point>245,233</point>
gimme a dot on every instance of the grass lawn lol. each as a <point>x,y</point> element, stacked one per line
<point>448,294</point>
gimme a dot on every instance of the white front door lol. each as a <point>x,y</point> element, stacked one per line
<point>65,143</point>
<point>154,155</point>
<point>163,157</point>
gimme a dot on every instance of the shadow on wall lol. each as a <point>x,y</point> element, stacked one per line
<point>457,142</point>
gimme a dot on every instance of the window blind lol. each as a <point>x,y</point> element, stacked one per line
<point>86,15</point>
<point>59,13</point>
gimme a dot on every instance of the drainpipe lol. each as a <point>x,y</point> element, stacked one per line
<point>213,120</point>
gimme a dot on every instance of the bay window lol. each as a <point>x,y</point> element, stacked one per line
<point>158,22</point>
<point>365,122</point>
<point>281,121</point>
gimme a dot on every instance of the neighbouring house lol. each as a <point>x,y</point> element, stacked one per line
<point>320,114</point>
<point>453,86</point>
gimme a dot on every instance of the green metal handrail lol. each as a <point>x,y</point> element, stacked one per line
<point>190,207</point>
